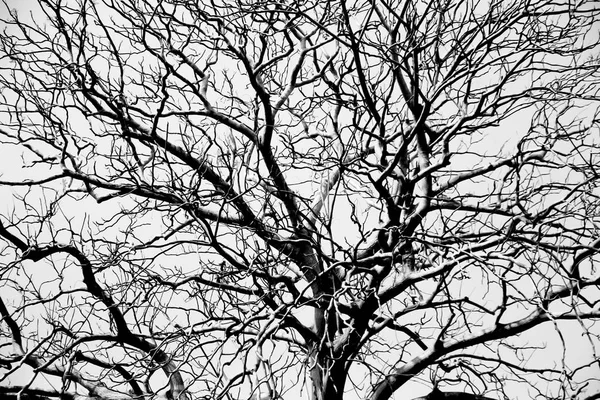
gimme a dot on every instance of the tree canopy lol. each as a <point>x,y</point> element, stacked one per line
<point>277,199</point>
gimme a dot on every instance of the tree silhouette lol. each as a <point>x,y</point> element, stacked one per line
<point>283,199</point>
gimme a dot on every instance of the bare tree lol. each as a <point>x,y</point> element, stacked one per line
<point>283,199</point>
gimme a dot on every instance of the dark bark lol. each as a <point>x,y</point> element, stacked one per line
<point>437,394</point>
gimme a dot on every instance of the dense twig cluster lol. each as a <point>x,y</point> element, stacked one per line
<point>274,199</point>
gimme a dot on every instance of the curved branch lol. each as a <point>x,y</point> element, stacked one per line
<point>124,333</point>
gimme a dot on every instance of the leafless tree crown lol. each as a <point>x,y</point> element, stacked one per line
<point>239,199</point>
